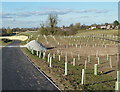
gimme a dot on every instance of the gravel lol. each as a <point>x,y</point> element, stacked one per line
<point>35,45</point>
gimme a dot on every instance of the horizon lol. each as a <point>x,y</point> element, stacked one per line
<point>22,15</point>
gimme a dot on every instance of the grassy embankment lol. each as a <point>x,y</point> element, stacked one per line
<point>105,80</point>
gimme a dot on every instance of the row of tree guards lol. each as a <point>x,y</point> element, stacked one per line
<point>102,44</point>
<point>49,60</point>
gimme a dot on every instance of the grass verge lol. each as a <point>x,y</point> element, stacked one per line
<point>73,80</point>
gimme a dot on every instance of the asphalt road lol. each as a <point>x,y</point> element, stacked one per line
<point>19,74</point>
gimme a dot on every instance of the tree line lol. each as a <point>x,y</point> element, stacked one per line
<point>51,28</point>
<point>12,31</point>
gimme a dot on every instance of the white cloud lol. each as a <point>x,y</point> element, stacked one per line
<point>51,11</point>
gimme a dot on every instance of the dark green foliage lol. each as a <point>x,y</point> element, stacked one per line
<point>58,31</point>
<point>115,23</point>
<point>6,40</point>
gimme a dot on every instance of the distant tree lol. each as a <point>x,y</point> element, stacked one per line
<point>106,24</point>
<point>84,27</point>
<point>4,31</point>
<point>77,25</point>
<point>94,25</point>
<point>42,25</point>
<point>63,26</point>
<point>53,20</point>
<point>71,25</point>
<point>115,23</point>
<point>16,29</point>
<point>9,31</point>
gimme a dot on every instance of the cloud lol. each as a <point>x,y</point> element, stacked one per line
<point>50,11</point>
<point>6,15</point>
<point>102,11</point>
<point>92,11</point>
<point>9,19</point>
<point>20,8</point>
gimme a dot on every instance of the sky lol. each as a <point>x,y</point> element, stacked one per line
<point>32,14</point>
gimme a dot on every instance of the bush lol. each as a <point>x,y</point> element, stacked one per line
<point>58,31</point>
<point>6,40</point>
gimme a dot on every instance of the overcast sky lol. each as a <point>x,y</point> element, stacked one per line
<point>31,14</point>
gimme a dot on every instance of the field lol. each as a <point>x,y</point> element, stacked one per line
<point>81,51</point>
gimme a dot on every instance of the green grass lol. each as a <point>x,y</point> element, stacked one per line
<point>106,32</point>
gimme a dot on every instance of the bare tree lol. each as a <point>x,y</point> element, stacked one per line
<point>77,25</point>
<point>53,20</point>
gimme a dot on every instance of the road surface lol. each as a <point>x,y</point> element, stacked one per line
<point>19,74</point>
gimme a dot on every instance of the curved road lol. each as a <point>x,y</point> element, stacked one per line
<point>19,74</point>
